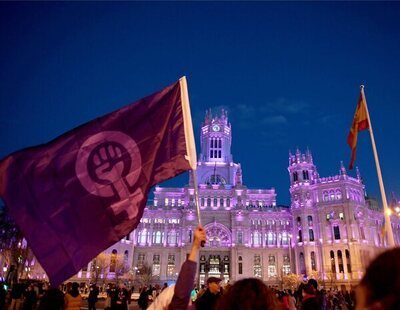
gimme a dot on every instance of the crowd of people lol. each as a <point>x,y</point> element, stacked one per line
<point>379,289</point>
<point>39,296</point>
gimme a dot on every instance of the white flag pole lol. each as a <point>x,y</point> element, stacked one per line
<point>190,142</point>
<point>386,210</point>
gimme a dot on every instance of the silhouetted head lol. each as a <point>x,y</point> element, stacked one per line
<point>380,286</point>
<point>248,294</point>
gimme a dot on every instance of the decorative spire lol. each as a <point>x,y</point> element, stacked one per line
<point>309,156</point>
<point>358,174</point>
<point>342,168</point>
<point>238,177</point>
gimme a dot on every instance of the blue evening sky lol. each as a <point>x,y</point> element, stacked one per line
<point>287,72</point>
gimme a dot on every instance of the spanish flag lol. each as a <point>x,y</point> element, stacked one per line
<point>360,122</point>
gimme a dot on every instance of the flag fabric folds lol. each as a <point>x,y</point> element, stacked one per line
<point>84,191</point>
<point>360,122</point>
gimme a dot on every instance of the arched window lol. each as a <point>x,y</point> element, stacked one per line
<point>333,266</point>
<point>302,263</point>
<point>157,237</point>
<point>300,236</point>
<point>208,202</point>
<point>295,177</point>
<point>221,202</point>
<point>172,238</point>
<point>338,194</point>
<point>309,219</point>
<point>126,255</point>
<point>311,234</point>
<point>348,261</point>
<point>215,202</point>
<point>325,196</point>
<point>270,238</point>
<point>256,238</point>
<point>331,195</point>
<point>113,260</point>
<point>313,261</point>
<point>284,238</point>
<point>305,175</point>
<point>142,236</point>
<point>340,261</point>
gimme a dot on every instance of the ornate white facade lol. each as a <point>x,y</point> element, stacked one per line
<point>329,227</point>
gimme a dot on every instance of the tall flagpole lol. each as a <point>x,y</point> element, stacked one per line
<point>190,143</point>
<point>386,210</point>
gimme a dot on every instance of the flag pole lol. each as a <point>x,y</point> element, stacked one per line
<point>190,143</point>
<point>386,210</point>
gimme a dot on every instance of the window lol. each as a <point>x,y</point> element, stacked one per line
<point>172,238</point>
<point>336,232</point>
<point>298,220</point>
<point>285,238</point>
<point>257,266</point>
<point>338,194</point>
<point>333,266</point>
<point>113,260</point>
<point>325,196</point>
<point>340,261</point>
<point>240,268</point>
<point>311,234</point>
<point>295,177</point>
<point>171,266</point>
<point>309,219</point>
<point>313,261</point>
<point>302,263</point>
<point>240,237</point>
<point>305,175</point>
<point>141,258</point>
<point>256,239</point>
<point>271,266</point>
<point>156,265</point>
<point>341,215</point>
<point>270,239</point>
<point>362,233</point>
<point>158,237</point>
<point>142,237</point>
<point>300,236</point>
<point>328,216</point>
<point>190,236</point>
<point>126,255</point>
<point>348,261</point>
<point>286,264</point>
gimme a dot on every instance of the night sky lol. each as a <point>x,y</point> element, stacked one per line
<point>288,74</point>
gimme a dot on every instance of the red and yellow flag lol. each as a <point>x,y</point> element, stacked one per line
<point>360,122</point>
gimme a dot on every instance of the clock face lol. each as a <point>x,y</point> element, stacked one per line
<point>216,127</point>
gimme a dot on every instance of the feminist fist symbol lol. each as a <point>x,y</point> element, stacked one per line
<point>109,163</point>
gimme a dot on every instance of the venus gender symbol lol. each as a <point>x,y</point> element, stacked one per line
<point>108,165</point>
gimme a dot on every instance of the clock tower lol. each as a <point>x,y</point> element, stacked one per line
<point>215,161</point>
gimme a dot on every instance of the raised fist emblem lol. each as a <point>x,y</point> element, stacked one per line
<point>108,165</point>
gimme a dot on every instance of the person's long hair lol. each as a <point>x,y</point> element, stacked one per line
<point>246,294</point>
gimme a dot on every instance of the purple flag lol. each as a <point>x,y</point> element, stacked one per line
<point>82,192</point>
